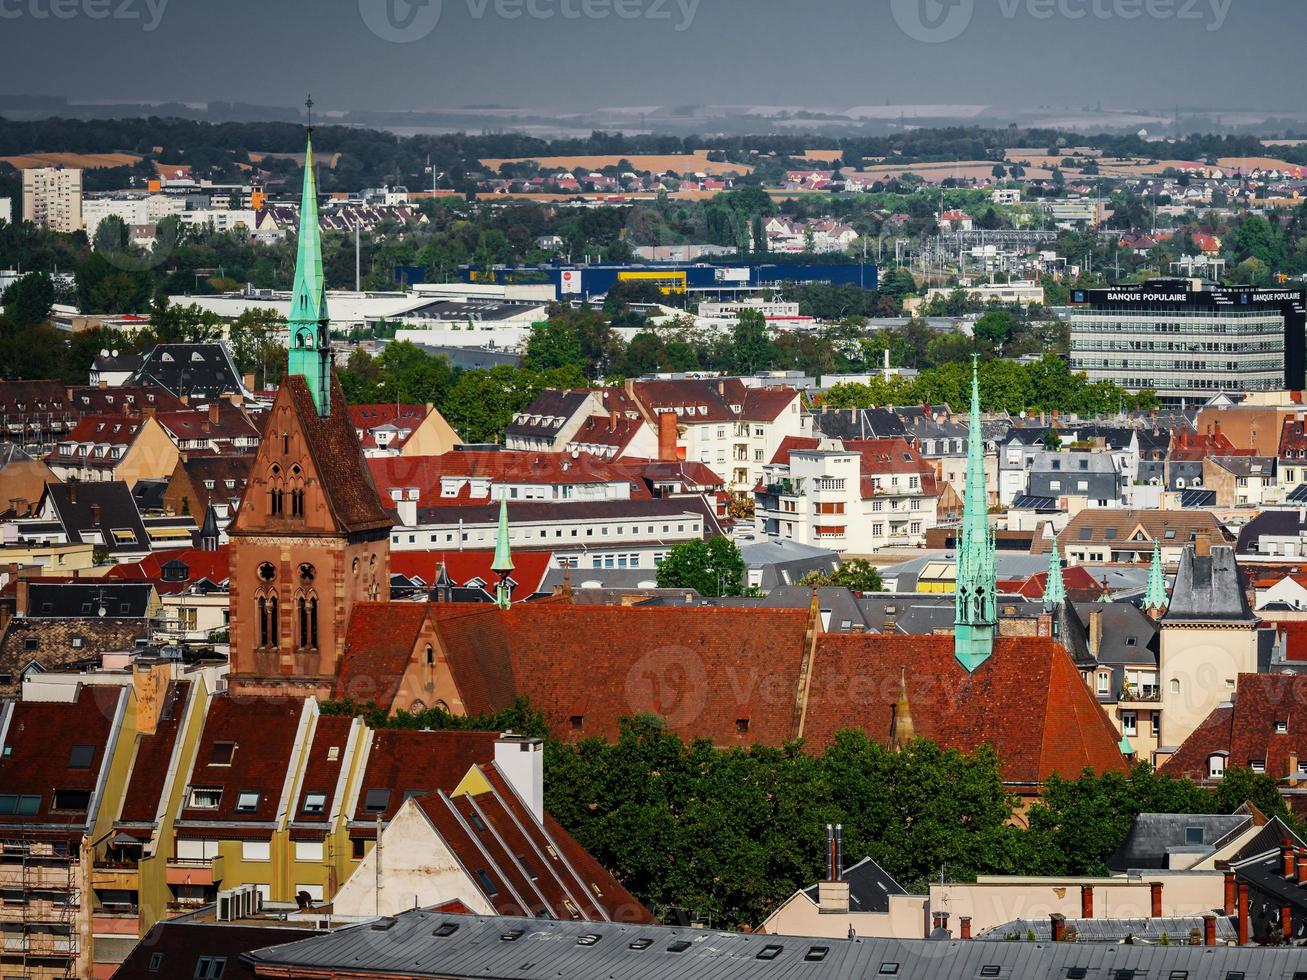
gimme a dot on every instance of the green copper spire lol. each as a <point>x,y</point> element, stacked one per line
<point>1124,746</point>
<point>974,615</point>
<point>1155,597</point>
<point>1054,588</point>
<point>310,340</point>
<point>503,563</point>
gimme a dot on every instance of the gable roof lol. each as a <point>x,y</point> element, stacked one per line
<point>870,887</point>
<point>379,645</point>
<point>105,506</point>
<point>66,645</point>
<point>408,762</point>
<point>198,372</point>
<point>179,944</point>
<point>154,752</point>
<point>1154,837</point>
<point>1027,700</point>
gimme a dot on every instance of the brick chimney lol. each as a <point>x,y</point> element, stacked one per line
<point>1202,543</point>
<point>1302,869</point>
<point>95,513</point>
<point>1155,897</point>
<point>1209,929</point>
<point>1286,921</point>
<point>1244,913</point>
<point>248,380</point>
<point>1288,860</point>
<point>1086,901</point>
<point>1058,922</point>
<point>213,412</point>
<point>1095,631</point>
<point>1228,907</point>
<point>667,436</point>
<point>20,597</point>
<point>964,923</point>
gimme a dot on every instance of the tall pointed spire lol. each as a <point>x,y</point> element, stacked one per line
<point>977,579</point>
<point>1054,587</point>
<point>310,338</point>
<point>503,563</point>
<point>1155,597</point>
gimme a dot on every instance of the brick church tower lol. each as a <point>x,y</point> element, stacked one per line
<point>310,538</point>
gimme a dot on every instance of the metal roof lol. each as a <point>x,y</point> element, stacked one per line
<point>429,944</point>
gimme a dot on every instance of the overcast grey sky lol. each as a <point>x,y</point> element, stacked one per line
<point>582,54</point>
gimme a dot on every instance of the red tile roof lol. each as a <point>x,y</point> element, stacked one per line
<point>462,567</point>
<point>322,772</point>
<point>367,418</point>
<point>1293,439</point>
<point>211,565</point>
<point>603,430</point>
<point>334,448</point>
<point>406,760</point>
<point>1247,731</point>
<point>713,400</point>
<point>1027,700</point>
<point>1081,586</point>
<point>789,444</point>
<point>154,755</point>
<point>262,732</point>
<point>189,424</point>
<point>38,748</point>
<point>504,466</point>
<point>379,646</point>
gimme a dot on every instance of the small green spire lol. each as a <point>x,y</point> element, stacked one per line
<point>1054,588</point>
<point>1125,747</point>
<point>1155,597</point>
<point>503,563</point>
<point>974,611</point>
<point>310,336</point>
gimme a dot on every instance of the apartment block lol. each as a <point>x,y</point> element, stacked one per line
<point>52,198</point>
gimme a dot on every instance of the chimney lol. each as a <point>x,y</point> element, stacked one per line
<point>1302,869</point>
<point>1228,907</point>
<point>833,892</point>
<point>1243,913</point>
<point>1155,895</point>
<point>248,380</point>
<point>236,399</point>
<point>95,513</point>
<point>213,412</point>
<point>1058,921</point>
<point>1086,901</point>
<point>1292,765</point>
<point>964,923</point>
<point>72,492</point>
<point>1095,631</point>
<point>1202,544</point>
<point>521,760</point>
<point>407,511</point>
<point>612,420</point>
<point>150,683</point>
<point>1209,929</point>
<point>1286,921</point>
<point>20,597</point>
<point>103,383</point>
<point>667,436</point>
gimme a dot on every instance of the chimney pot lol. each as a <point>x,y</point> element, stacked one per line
<point>965,925</point>
<point>1228,907</point>
<point>1244,913</point>
<point>1288,861</point>
<point>1086,901</point>
<point>1209,929</point>
<point>1286,921</point>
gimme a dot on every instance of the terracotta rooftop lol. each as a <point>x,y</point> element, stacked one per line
<point>379,646</point>
<point>154,755</point>
<point>407,762</point>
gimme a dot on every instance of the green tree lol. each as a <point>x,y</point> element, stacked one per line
<point>712,568</point>
<point>751,347</point>
<point>855,574</point>
<point>995,328</point>
<point>254,346</point>
<point>27,301</point>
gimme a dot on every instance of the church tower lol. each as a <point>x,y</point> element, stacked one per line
<point>310,538</point>
<point>974,616</point>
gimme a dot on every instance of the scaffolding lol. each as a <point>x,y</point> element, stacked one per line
<point>45,921</point>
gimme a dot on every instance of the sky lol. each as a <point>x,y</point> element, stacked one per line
<point>564,55</point>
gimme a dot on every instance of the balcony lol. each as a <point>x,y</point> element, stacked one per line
<point>113,876</point>
<point>1140,695</point>
<point>46,944</point>
<point>194,871</point>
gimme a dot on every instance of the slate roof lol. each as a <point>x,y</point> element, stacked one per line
<point>853,423</point>
<point>1209,588</point>
<point>535,949</point>
<point>1154,837</point>
<point>870,887</point>
<point>537,420</point>
<point>1271,523</point>
<point>199,372</point>
<point>228,472</point>
<point>73,505</point>
<point>1177,930</point>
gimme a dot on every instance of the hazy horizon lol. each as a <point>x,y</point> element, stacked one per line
<point>582,55</point>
